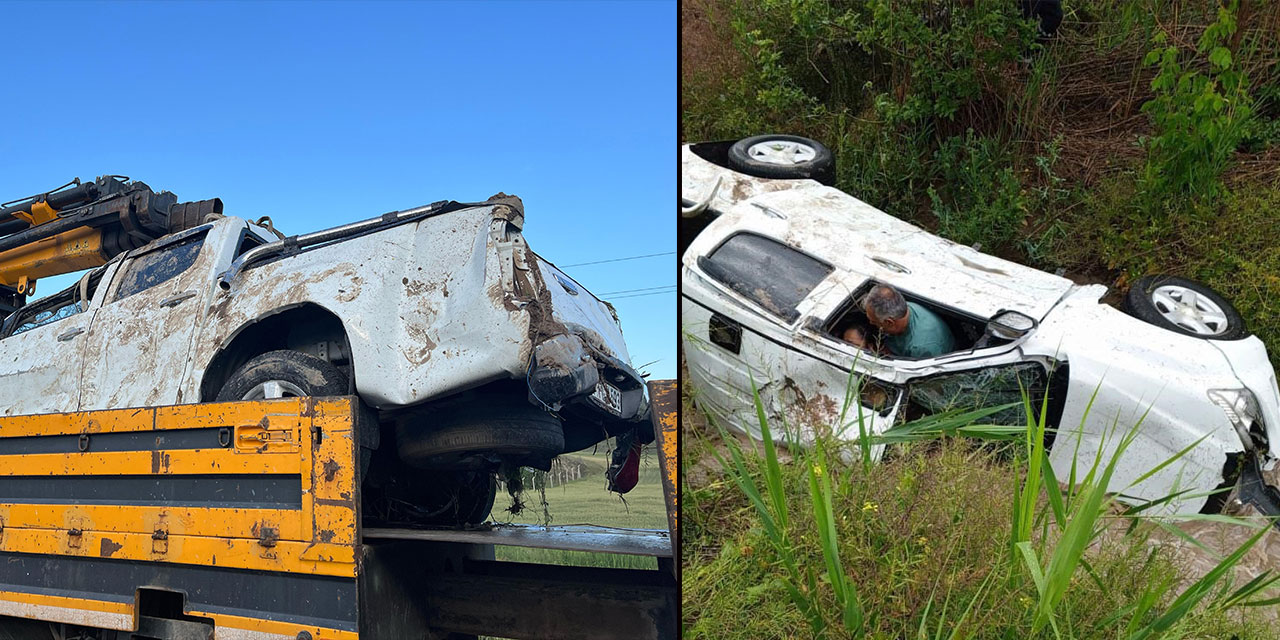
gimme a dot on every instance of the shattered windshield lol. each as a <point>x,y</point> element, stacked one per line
<point>48,316</point>
<point>766,271</point>
<point>983,388</point>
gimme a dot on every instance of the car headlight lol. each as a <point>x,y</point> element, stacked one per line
<point>1241,408</point>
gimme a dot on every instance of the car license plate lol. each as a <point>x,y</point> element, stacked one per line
<point>609,397</point>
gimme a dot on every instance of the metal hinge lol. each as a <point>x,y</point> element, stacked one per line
<point>274,434</point>
<point>160,541</point>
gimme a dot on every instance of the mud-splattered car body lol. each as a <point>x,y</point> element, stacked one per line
<point>417,306</point>
<point>814,250</point>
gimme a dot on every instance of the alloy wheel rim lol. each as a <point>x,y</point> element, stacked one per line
<point>782,152</point>
<point>1190,310</point>
<point>273,389</point>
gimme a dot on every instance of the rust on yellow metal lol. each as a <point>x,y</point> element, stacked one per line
<point>275,434</point>
<point>187,521</point>
<point>66,252</point>
<point>133,463</point>
<point>182,416</point>
<point>313,439</point>
<point>664,396</point>
<point>238,553</point>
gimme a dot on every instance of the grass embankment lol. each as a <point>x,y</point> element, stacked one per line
<point>1144,138</point>
<point>944,539</point>
<point>586,501</point>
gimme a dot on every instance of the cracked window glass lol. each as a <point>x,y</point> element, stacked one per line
<point>766,271</point>
<point>59,306</point>
<point>983,388</point>
<point>156,267</point>
<point>59,309</point>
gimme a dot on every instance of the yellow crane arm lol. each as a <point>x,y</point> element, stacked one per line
<point>64,253</point>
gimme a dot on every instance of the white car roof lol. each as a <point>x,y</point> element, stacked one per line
<point>863,242</point>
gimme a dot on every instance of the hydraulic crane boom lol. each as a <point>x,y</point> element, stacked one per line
<point>83,225</point>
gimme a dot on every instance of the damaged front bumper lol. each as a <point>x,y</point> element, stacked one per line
<point>1252,489</point>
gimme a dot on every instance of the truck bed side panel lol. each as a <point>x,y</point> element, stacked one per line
<point>249,509</point>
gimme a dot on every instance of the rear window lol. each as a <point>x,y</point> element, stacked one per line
<point>766,271</point>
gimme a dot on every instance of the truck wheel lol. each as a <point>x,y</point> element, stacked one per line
<point>290,374</point>
<point>782,156</point>
<point>478,435</point>
<point>1184,306</point>
<point>283,374</point>
<point>397,494</point>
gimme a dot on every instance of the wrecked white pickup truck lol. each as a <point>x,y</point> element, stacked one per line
<point>468,349</point>
<point>775,273</point>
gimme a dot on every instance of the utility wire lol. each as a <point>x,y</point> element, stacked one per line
<point>649,255</point>
<point>609,293</point>
<point>641,295</point>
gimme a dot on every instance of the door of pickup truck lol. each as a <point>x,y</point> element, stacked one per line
<point>139,342</point>
<point>43,347</point>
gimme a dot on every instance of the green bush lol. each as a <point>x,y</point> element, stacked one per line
<point>935,118</point>
<point>1200,117</point>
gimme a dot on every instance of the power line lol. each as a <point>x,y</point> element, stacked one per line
<point>609,293</point>
<point>641,295</point>
<point>648,255</point>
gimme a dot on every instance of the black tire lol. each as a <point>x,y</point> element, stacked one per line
<point>479,435</point>
<point>409,496</point>
<point>309,374</point>
<point>312,377</point>
<point>822,167</point>
<point>1141,304</point>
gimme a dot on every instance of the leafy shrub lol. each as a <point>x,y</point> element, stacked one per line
<point>1200,116</point>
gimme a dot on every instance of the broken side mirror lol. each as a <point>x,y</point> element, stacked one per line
<point>1010,325</point>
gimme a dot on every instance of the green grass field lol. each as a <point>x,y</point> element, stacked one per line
<point>586,501</point>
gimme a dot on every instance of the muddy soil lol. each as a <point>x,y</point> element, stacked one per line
<point>1223,539</point>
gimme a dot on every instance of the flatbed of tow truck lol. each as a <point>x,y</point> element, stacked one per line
<point>241,521</point>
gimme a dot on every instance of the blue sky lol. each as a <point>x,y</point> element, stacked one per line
<point>322,113</point>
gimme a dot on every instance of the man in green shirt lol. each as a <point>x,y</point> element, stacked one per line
<point>910,330</point>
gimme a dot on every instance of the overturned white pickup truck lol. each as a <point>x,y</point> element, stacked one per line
<point>468,349</point>
<point>777,269</point>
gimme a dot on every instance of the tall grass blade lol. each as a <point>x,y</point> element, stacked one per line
<point>772,471</point>
<point>846,592</point>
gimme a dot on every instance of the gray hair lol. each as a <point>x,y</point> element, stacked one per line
<point>886,302</point>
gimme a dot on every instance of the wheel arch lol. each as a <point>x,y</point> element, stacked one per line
<point>306,327</point>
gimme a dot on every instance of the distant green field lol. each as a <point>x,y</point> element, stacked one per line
<point>586,501</point>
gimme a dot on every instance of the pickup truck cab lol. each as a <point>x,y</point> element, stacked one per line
<point>467,349</point>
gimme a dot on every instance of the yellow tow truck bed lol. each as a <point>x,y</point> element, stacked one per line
<point>241,514</point>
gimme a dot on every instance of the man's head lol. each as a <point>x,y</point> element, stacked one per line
<point>886,309</point>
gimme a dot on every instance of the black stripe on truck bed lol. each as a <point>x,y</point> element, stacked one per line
<point>168,439</point>
<point>243,491</point>
<point>323,601</point>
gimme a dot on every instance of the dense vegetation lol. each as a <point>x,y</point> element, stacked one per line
<point>1143,138</point>
<point>947,540</point>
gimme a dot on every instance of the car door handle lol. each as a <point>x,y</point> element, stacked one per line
<point>69,334</point>
<point>177,299</point>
